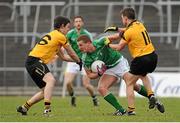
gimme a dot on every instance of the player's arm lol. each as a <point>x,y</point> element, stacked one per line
<point>113,37</point>
<point>90,74</point>
<point>71,53</point>
<point>119,46</point>
<point>116,36</point>
<point>62,55</point>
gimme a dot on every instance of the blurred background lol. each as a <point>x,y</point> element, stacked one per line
<point>23,22</point>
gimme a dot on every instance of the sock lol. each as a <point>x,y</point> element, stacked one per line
<point>27,105</point>
<point>94,96</point>
<point>47,104</point>
<point>72,94</point>
<point>143,91</point>
<point>113,101</point>
<point>150,93</point>
<point>131,108</point>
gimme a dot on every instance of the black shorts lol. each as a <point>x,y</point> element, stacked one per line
<point>144,64</point>
<point>37,69</point>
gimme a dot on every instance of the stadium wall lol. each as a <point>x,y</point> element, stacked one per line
<point>164,84</point>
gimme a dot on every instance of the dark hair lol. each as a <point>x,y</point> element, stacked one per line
<point>129,13</point>
<point>84,38</point>
<point>59,21</point>
<point>78,16</point>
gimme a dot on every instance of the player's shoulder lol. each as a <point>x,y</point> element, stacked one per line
<point>102,38</point>
<point>70,32</point>
<point>86,31</point>
<point>130,29</point>
<point>99,41</point>
<point>57,35</point>
<point>55,32</point>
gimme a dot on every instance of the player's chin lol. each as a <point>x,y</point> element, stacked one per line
<point>79,26</point>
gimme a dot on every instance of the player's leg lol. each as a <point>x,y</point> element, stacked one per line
<point>48,90</point>
<point>90,88</point>
<point>69,76</point>
<point>148,65</point>
<point>139,68</point>
<point>87,85</point>
<point>37,70</point>
<point>140,89</point>
<point>68,80</point>
<point>34,99</point>
<point>150,93</point>
<point>153,101</point>
<point>44,79</point>
<point>105,82</point>
<point>147,84</point>
<point>122,69</point>
<point>130,81</point>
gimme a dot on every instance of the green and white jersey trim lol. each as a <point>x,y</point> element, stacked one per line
<point>114,64</point>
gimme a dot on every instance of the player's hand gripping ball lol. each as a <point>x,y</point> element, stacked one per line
<point>99,67</point>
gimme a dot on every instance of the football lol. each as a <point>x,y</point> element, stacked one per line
<point>95,64</point>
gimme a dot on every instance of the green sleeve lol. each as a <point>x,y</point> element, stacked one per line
<point>68,35</point>
<point>102,41</point>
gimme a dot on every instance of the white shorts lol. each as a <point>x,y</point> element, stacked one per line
<point>120,69</point>
<point>72,67</point>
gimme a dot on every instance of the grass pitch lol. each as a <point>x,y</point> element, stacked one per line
<point>86,112</point>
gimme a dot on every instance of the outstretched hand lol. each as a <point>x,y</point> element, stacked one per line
<point>111,28</point>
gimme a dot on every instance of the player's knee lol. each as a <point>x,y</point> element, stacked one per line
<point>137,87</point>
<point>102,90</point>
<point>49,79</point>
<point>85,84</point>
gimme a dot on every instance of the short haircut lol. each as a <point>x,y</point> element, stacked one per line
<point>78,16</point>
<point>59,21</point>
<point>84,38</point>
<point>129,13</point>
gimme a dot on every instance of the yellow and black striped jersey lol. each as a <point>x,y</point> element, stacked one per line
<point>139,42</point>
<point>48,46</point>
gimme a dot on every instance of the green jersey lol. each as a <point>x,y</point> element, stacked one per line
<point>104,53</point>
<point>72,37</point>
